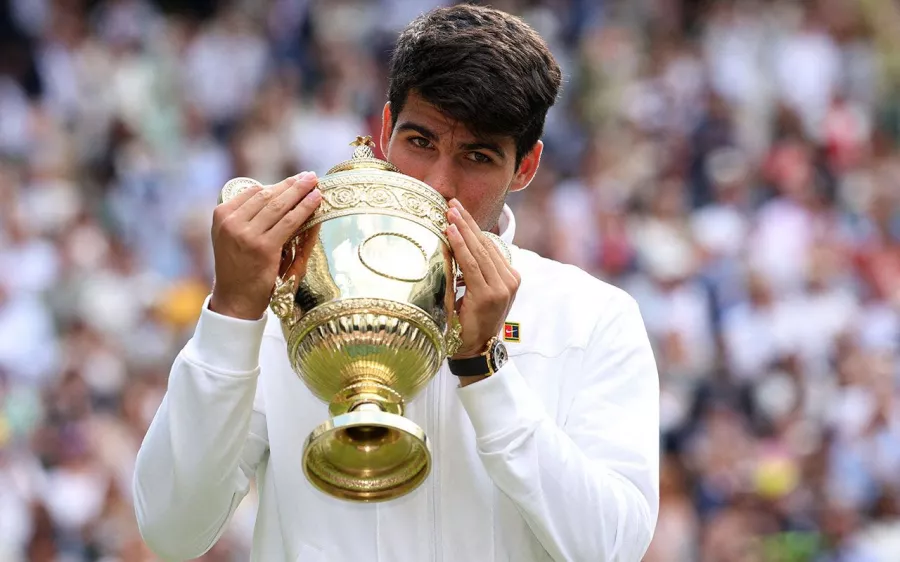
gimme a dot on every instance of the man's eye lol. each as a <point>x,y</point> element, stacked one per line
<point>420,142</point>
<point>480,158</point>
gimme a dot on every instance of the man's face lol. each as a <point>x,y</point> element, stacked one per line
<point>478,172</point>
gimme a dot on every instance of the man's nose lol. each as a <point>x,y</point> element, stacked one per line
<point>440,177</point>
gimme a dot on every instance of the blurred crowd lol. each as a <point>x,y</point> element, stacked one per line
<point>734,165</point>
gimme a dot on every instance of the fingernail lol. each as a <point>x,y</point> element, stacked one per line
<point>455,214</point>
<point>314,195</point>
<point>452,230</point>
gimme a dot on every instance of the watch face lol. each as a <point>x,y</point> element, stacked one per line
<point>499,355</point>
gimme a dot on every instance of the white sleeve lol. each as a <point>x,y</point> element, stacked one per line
<point>206,440</point>
<point>589,489</point>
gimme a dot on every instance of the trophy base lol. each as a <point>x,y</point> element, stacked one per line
<point>367,455</point>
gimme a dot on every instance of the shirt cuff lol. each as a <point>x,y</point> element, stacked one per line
<point>500,403</point>
<point>225,343</point>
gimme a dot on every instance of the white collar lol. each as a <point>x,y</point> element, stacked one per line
<point>506,225</point>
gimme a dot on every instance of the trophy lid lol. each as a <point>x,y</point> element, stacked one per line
<point>363,158</point>
<point>365,184</point>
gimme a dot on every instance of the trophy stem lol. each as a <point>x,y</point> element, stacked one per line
<point>366,433</point>
<point>366,395</point>
<point>366,407</point>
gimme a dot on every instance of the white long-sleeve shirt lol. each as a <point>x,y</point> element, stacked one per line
<point>554,457</point>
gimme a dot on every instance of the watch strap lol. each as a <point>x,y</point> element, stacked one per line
<point>470,367</point>
<point>488,363</point>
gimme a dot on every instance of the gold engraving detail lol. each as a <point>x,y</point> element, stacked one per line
<point>363,158</point>
<point>326,472</point>
<point>373,269</point>
<point>235,186</point>
<point>365,192</point>
<point>333,310</point>
<point>282,302</point>
<point>364,147</point>
<point>453,339</point>
<point>363,141</point>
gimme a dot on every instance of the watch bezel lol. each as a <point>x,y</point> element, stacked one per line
<point>497,355</point>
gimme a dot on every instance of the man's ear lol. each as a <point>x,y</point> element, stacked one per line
<point>386,128</point>
<point>527,168</point>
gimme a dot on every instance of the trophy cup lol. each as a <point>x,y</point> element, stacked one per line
<point>369,321</point>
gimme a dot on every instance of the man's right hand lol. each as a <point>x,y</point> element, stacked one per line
<point>248,234</point>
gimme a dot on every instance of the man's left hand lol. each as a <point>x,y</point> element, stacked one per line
<point>491,282</point>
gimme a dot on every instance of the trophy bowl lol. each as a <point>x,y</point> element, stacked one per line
<point>368,318</point>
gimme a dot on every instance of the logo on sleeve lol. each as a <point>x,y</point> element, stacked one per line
<point>511,331</point>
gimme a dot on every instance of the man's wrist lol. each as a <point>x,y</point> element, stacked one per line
<point>224,307</point>
<point>226,343</point>
<point>471,352</point>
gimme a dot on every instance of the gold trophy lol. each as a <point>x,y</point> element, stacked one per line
<point>369,322</point>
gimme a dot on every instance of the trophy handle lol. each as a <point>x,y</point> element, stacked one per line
<point>235,186</point>
<point>453,338</point>
<point>501,245</point>
<point>282,300</point>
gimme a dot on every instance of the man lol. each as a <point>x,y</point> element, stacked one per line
<point>553,457</point>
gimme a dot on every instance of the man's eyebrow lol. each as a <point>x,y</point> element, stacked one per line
<point>421,129</point>
<point>432,136</point>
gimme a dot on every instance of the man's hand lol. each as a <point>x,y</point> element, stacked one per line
<point>248,234</point>
<point>491,282</point>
